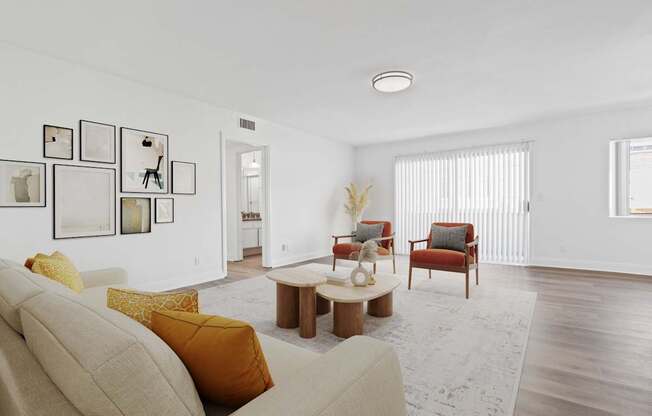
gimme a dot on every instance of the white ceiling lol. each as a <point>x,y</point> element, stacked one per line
<point>308,64</point>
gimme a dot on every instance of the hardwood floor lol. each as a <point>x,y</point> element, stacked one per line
<point>590,347</point>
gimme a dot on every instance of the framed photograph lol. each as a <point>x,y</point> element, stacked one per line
<point>22,184</point>
<point>57,142</point>
<point>84,201</point>
<point>184,178</point>
<point>164,210</point>
<point>144,161</point>
<point>135,215</point>
<point>96,142</point>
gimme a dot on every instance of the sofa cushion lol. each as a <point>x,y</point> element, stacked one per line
<point>284,361</point>
<point>17,285</point>
<point>223,355</point>
<point>387,230</point>
<point>25,389</point>
<point>344,249</point>
<point>438,257</point>
<point>5,263</point>
<point>104,362</point>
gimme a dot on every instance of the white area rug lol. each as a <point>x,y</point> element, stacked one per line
<point>458,356</point>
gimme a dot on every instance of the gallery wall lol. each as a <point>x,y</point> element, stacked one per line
<point>307,172</point>
<point>570,209</point>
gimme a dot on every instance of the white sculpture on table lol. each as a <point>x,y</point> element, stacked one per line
<point>368,253</point>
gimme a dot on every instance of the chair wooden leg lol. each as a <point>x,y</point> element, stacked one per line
<point>374,268</point>
<point>429,274</point>
<point>467,283</point>
<point>394,263</point>
<point>410,278</point>
<point>477,280</point>
<point>334,260</point>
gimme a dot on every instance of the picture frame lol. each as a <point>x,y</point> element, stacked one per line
<point>135,215</point>
<point>91,213</point>
<point>23,184</point>
<point>163,210</point>
<point>97,142</point>
<point>144,158</point>
<point>57,142</point>
<point>184,178</point>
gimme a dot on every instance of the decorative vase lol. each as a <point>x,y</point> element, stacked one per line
<point>355,276</point>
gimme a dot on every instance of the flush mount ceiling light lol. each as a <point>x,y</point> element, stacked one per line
<point>392,81</point>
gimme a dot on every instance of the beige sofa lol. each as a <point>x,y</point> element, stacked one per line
<point>63,353</point>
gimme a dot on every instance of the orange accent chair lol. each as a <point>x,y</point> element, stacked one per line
<point>446,260</point>
<point>349,251</point>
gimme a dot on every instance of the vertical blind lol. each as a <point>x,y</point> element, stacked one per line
<point>488,187</point>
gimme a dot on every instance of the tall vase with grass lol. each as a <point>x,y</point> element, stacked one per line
<point>356,202</point>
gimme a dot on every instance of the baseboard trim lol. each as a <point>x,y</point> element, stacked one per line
<point>593,266</point>
<point>176,283</point>
<point>300,258</point>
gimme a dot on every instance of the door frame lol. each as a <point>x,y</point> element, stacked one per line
<point>266,198</point>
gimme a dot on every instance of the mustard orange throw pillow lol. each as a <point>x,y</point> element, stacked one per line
<point>140,305</point>
<point>58,268</point>
<point>222,355</point>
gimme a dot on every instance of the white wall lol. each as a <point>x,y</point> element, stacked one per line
<point>308,175</point>
<point>308,172</point>
<point>570,209</point>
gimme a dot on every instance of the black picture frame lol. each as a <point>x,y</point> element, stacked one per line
<point>124,198</point>
<point>166,161</point>
<point>156,221</point>
<point>43,166</point>
<point>54,202</point>
<point>72,141</point>
<point>81,142</point>
<point>194,174</point>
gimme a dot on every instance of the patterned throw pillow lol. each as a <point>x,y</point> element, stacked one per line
<point>140,305</point>
<point>449,238</point>
<point>58,268</point>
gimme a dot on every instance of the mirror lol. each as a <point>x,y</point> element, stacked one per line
<point>251,185</point>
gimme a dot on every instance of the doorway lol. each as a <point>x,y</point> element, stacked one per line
<point>245,199</point>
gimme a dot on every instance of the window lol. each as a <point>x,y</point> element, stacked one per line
<point>631,177</point>
<point>488,187</point>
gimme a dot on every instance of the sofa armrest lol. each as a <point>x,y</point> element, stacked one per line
<point>359,377</point>
<point>104,277</point>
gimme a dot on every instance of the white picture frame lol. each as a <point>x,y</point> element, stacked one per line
<point>22,184</point>
<point>97,142</point>
<point>143,161</point>
<point>84,201</point>
<point>184,178</point>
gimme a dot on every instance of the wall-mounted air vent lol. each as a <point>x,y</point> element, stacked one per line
<point>247,124</point>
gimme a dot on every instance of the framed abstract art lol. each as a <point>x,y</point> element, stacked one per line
<point>184,178</point>
<point>57,142</point>
<point>22,184</point>
<point>96,142</point>
<point>135,215</point>
<point>84,201</point>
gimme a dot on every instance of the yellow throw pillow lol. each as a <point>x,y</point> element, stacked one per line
<point>58,268</point>
<point>222,355</point>
<point>140,305</point>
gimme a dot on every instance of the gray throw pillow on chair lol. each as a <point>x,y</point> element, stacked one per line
<point>364,232</point>
<point>449,238</point>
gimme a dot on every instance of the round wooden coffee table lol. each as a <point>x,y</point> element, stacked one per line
<point>348,300</point>
<point>295,299</point>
